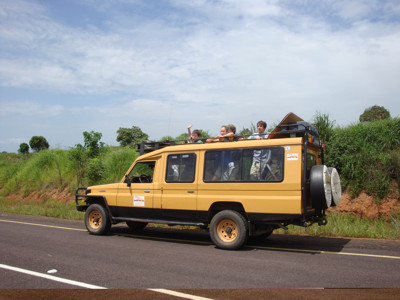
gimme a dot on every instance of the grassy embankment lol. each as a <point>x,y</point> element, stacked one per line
<point>44,183</point>
<point>366,155</point>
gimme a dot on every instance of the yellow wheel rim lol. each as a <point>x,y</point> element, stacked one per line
<point>227,230</point>
<point>95,219</point>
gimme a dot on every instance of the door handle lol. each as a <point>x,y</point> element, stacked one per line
<point>147,191</point>
<point>190,192</point>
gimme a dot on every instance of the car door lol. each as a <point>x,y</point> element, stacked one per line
<point>135,195</point>
<point>179,188</point>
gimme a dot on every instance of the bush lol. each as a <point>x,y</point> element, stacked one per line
<point>95,171</point>
<point>367,156</point>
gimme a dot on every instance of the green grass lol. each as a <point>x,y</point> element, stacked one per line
<point>348,225</point>
<point>49,208</point>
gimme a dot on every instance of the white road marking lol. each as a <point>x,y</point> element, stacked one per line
<point>178,294</point>
<point>42,225</point>
<point>326,252</point>
<point>91,286</point>
<point>51,277</point>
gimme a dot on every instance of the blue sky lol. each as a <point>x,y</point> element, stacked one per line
<point>73,66</point>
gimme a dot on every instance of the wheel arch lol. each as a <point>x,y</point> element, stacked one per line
<point>101,200</point>
<point>216,207</point>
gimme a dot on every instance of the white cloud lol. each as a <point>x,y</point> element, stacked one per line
<point>29,108</point>
<point>201,62</point>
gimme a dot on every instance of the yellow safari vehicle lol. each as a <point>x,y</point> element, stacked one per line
<point>236,189</point>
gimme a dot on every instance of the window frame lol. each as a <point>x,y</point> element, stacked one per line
<point>132,176</point>
<point>277,149</point>
<point>194,156</point>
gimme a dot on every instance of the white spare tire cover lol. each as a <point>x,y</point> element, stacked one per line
<point>335,186</point>
<point>320,187</point>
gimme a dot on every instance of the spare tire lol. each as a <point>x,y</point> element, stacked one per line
<point>335,186</point>
<point>320,187</point>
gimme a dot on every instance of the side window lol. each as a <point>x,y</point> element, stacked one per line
<point>142,172</point>
<point>266,164</point>
<point>181,167</point>
<point>244,165</point>
<point>223,165</point>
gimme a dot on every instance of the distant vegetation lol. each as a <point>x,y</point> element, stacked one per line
<point>366,154</point>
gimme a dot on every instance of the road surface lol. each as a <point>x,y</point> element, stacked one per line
<point>50,253</point>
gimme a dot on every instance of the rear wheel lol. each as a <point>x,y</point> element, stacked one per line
<point>96,220</point>
<point>229,230</point>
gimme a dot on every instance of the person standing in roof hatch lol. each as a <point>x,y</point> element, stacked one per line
<point>260,134</point>
<point>261,157</point>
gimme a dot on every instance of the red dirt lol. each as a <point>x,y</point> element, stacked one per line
<point>38,196</point>
<point>366,206</point>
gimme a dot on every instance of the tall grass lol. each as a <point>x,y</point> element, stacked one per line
<point>10,164</point>
<point>54,169</point>
<point>48,168</point>
<point>117,163</point>
<point>367,156</point>
<point>349,225</point>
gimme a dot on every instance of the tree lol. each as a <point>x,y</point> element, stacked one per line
<point>205,134</point>
<point>182,138</point>
<point>78,157</point>
<point>38,143</point>
<point>81,155</point>
<point>23,148</point>
<point>130,136</point>
<point>92,143</point>
<point>374,113</point>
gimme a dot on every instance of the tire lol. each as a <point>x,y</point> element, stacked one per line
<point>336,187</point>
<point>97,221</point>
<point>320,187</point>
<point>229,230</point>
<point>136,226</point>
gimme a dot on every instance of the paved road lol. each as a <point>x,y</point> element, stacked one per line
<point>174,259</point>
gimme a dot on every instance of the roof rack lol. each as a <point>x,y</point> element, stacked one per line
<point>149,146</point>
<point>297,129</point>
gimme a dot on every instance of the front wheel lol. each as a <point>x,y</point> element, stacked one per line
<point>96,220</point>
<point>229,230</point>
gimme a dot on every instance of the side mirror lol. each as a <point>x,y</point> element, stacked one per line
<point>128,181</point>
